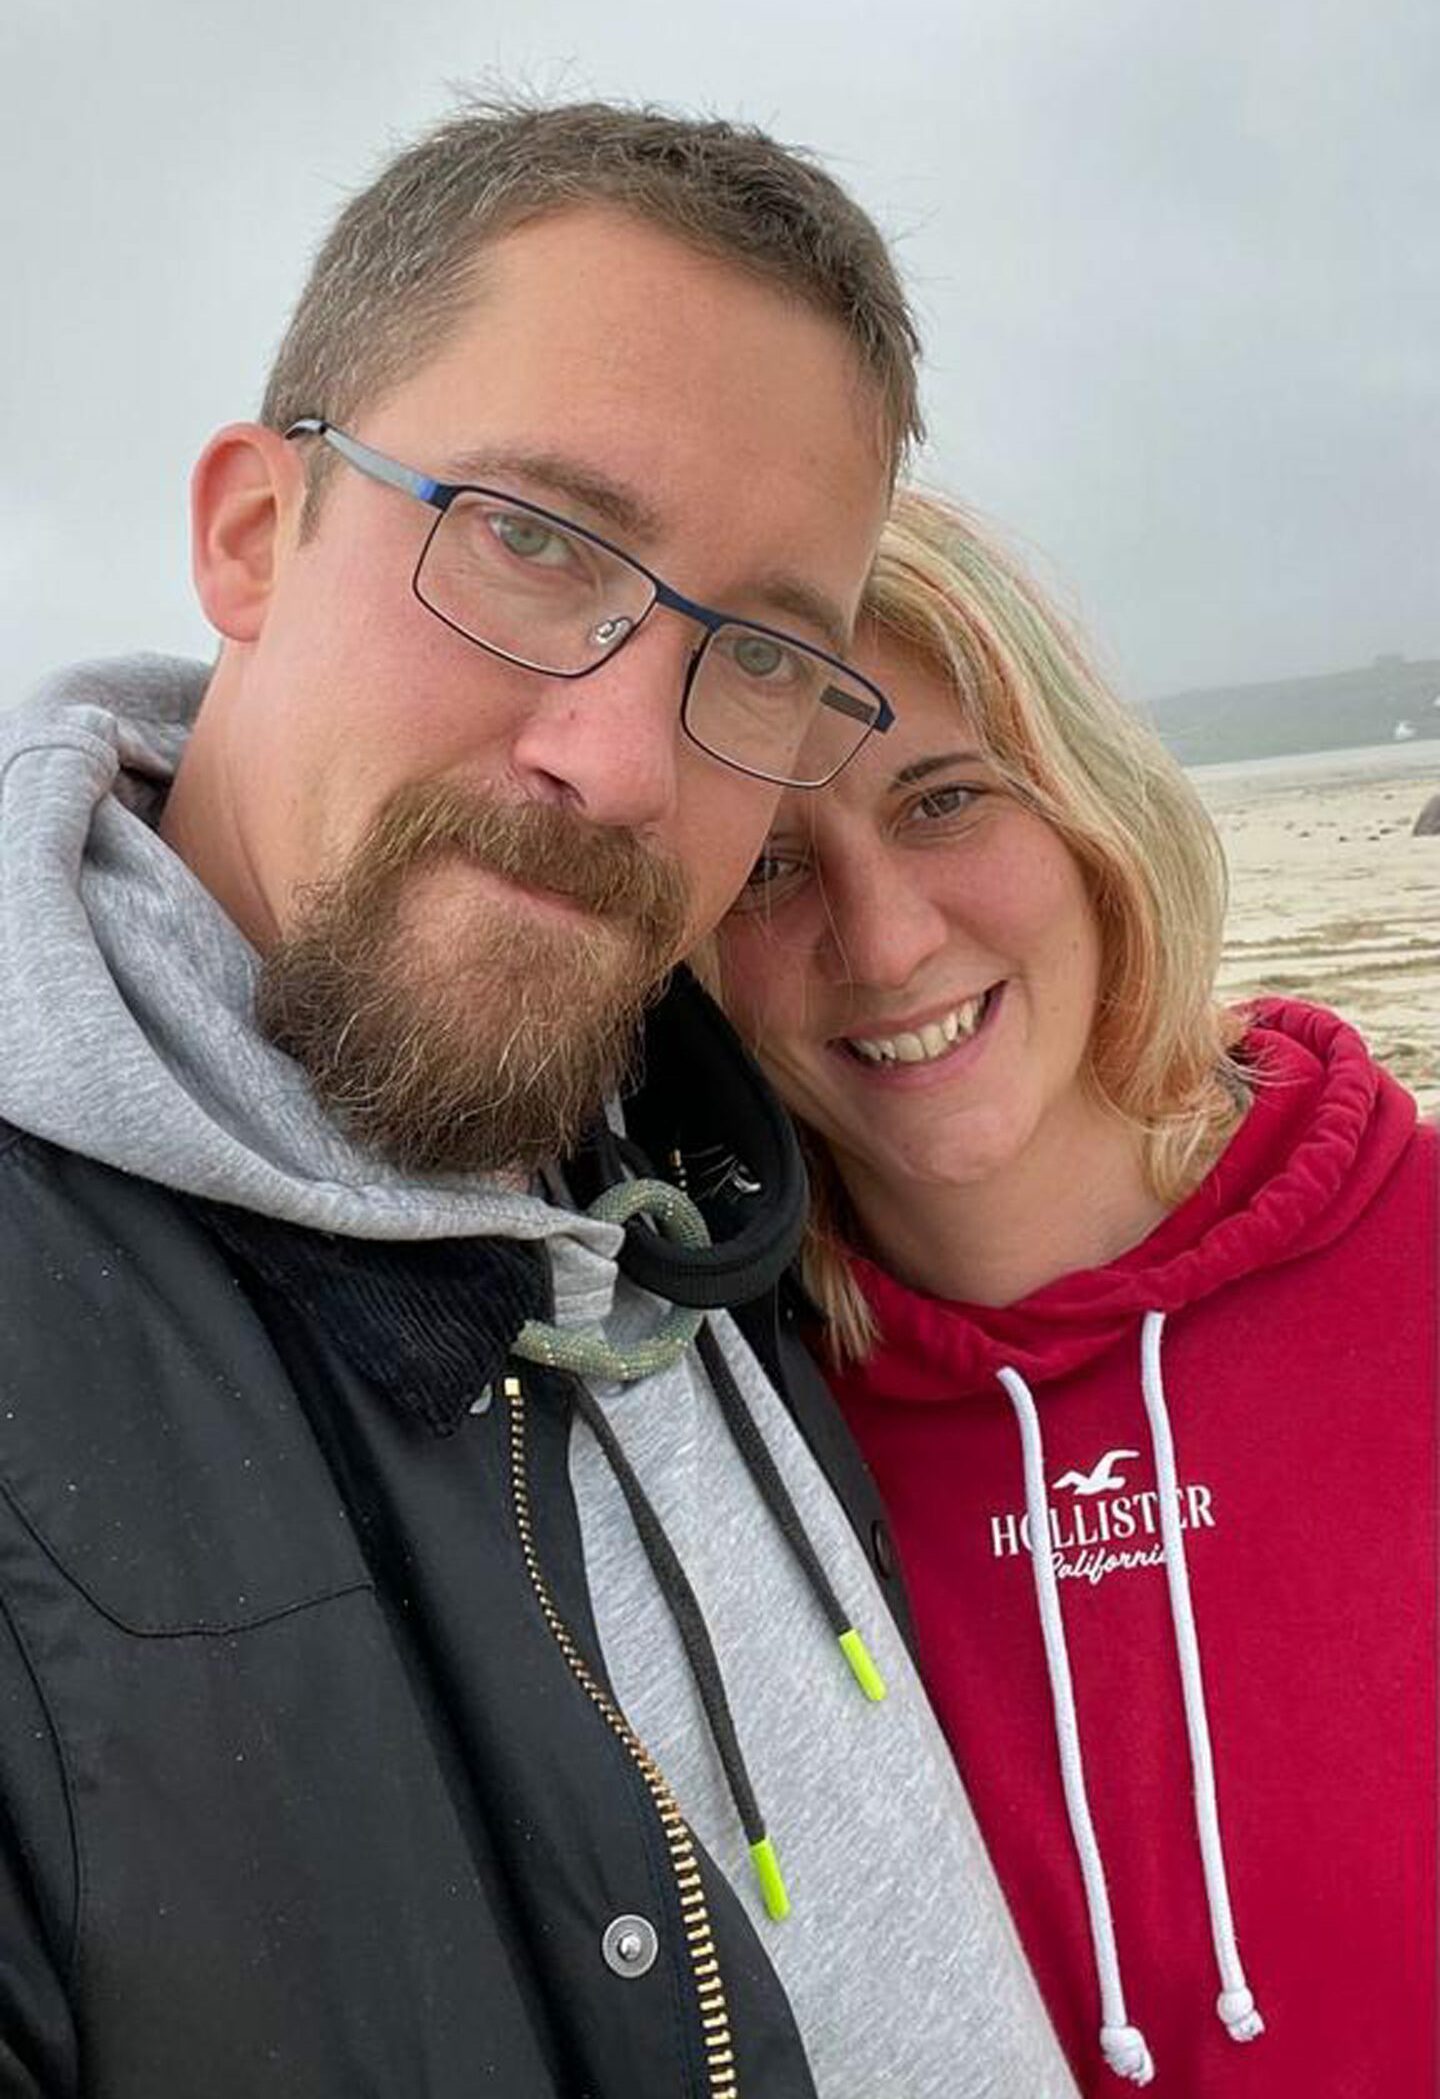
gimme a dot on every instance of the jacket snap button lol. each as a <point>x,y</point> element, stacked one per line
<point>882,1551</point>
<point>630,1945</point>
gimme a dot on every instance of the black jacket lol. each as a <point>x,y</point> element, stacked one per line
<point>310,1778</point>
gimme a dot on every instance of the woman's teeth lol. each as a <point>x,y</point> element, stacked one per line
<point>923,1044</point>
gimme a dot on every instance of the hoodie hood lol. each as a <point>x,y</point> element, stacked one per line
<point>1323,1132</point>
<point>127,995</point>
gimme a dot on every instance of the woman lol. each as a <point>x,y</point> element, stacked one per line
<point>1102,1262</point>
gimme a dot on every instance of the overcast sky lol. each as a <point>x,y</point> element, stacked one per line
<point>1176,267</point>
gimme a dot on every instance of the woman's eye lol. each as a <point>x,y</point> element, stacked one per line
<point>770,867</point>
<point>530,539</point>
<point>776,868</point>
<point>941,803</point>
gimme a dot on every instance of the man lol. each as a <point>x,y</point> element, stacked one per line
<point>408,1603</point>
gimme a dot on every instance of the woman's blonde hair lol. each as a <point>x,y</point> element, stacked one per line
<point>1064,745</point>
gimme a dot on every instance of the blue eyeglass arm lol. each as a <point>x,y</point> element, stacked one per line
<point>440,494</point>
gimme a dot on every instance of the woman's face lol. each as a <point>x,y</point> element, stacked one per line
<point>917,959</point>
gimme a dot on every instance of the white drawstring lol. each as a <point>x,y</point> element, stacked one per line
<point>1122,2044</point>
<point>1235,2004</point>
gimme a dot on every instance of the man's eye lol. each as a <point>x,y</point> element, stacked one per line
<point>767,661</point>
<point>757,655</point>
<point>531,540</point>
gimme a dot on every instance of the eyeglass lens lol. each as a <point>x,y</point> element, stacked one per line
<point>552,600</point>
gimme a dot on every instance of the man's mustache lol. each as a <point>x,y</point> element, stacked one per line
<point>603,869</point>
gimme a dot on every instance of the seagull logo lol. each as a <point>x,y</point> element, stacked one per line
<point>1103,1480</point>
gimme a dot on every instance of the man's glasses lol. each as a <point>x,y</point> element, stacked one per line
<point>550,596</point>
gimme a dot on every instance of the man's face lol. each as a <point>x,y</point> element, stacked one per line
<point>708,423</point>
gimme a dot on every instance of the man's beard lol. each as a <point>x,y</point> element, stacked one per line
<point>487,1045</point>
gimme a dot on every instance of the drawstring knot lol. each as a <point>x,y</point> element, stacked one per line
<point>590,1353</point>
<point>1237,2009</point>
<point>1125,2051</point>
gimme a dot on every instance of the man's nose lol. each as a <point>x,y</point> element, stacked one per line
<point>610,741</point>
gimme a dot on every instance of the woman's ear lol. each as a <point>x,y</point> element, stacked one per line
<point>245,492</point>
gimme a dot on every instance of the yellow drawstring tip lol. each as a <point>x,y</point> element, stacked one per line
<point>862,1668</point>
<point>771,1879</point>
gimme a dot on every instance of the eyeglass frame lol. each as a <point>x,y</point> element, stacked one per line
<point>440,495</point>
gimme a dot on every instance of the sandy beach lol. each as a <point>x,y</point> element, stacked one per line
<point>1333,898</point>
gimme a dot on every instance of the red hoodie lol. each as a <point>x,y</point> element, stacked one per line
<point>1299,1366</point>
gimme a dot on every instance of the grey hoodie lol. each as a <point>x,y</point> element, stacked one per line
<point>126,1035</point>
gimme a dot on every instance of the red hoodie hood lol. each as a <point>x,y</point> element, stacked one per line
<point>1324,1131</point>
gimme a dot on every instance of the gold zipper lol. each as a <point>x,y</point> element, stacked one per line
<point>722,2082</point>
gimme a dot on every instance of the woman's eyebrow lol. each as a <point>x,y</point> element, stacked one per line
<point>921,768</point>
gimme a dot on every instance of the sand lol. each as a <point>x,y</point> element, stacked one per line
<point>1332,897</point>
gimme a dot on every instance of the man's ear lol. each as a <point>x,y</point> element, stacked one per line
<point>245,498</point>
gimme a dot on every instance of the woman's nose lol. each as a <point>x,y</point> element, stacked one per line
<point>883,924</point>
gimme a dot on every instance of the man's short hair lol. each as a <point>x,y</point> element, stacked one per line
<point>398,270</point>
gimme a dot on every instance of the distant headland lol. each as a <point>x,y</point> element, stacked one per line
<point>1394,699</point>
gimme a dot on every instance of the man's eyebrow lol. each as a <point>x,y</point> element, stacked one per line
<point>792,598</point>
<point>567,478</point>
<point>922,768</point>
<point>626,512</point>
